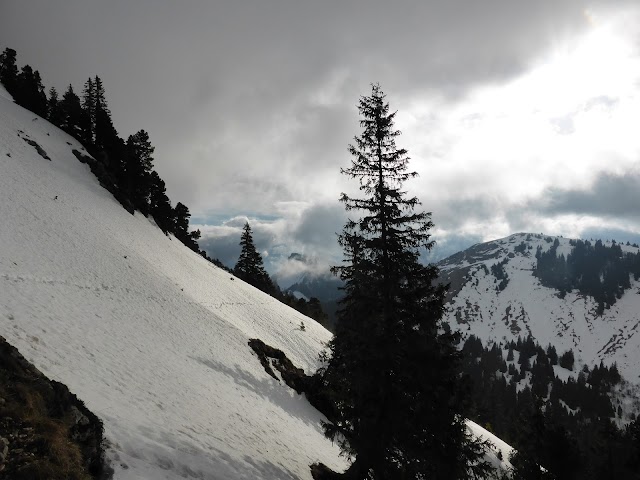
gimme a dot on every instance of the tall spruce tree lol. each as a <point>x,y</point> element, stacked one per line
<point>72,113</point>
<point>9,70</point>
<point>180,221</point>
<point>89,106</point>
<point>54,110</point>
<point>139,164</point>
<point>399,412</point>
<point>30,91</point>
<point>249,266</point>
<point>160,205</point>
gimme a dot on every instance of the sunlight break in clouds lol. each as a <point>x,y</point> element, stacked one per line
<point>572,117</point>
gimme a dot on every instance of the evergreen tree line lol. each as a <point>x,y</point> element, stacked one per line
<point>125,167</point>
<point>250,268</point>
<point>597,270</point>
<point>566,427</point>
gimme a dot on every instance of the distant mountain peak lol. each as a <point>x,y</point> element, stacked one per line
<point>573,294</point>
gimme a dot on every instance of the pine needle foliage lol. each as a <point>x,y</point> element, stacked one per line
<point>392,376</point>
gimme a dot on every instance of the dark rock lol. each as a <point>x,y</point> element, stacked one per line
<point>40,418</point>
<point>311,385</point>
<point>38,148</point>
<point>319,471</point>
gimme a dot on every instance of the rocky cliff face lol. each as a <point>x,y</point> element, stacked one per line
<point>45,430</point>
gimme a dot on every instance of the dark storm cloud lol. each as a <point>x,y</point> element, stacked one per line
<point>243,73</point>
<point>319,226</point>
<point>226,249</point>
<point>251,104</point>
<point>446,246</point>
<point>610,196</point>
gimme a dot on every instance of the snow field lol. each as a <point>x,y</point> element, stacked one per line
<point>150,335</point>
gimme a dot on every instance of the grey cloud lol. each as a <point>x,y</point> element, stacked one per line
<point>251,104</point>
<point>610,196</point>
<point>226,249</point>
<point>319,225</point>
<point>243,73</point>
<point>448,245</point>
<point>452,213</point>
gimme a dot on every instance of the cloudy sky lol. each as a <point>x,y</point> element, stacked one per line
<point>518,115</point>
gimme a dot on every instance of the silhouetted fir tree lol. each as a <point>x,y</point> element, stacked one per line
<point>104,132</point>
<point>54,110</point>
<point>139,164</point>
<point>9,70</point>
<point>89,106</point>
<point>392,376</point>
<point>72,113</point>
<point>160,205</point>
<point>181,217</point>
<point>30,91</point>
<point>249,266</point>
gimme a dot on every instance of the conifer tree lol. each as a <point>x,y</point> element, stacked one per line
<point>30,91</point>
<point>72,114</point>
<point>54,110</point>
<point>9,70</point>
<point>105,136</point>
<point>139,164</point>
<point>89,106</point>
<point>181,217</point>
<point>249,266</point>
<point>160,205</point>
<point>393,376</point>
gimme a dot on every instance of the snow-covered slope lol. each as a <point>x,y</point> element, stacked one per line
<point>149,334</point>
<point>525,306</point>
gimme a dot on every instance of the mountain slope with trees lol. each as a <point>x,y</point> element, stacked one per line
<point>150,335</point>
<point>575,295</point>
<point>124,168</point>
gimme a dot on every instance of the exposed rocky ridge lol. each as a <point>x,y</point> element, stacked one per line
<point>45,430</point>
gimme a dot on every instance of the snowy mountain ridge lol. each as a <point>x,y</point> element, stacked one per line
<point>494,309</point>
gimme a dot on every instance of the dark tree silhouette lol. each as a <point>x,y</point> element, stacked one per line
<point>160,205</point>
<point>139,164</point>
<point>72,113</point>
<point>181,217</point>
<point>392,375</point>
<point>9,70</point>
<point>54,109</point>
<point>30,91</point>
<point>89,106</point>
<point>249,266</point>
